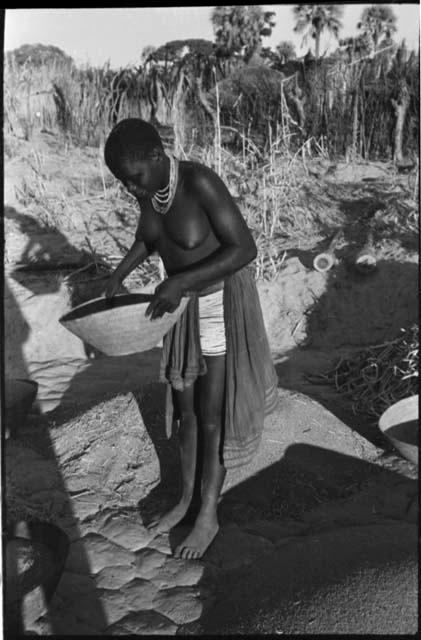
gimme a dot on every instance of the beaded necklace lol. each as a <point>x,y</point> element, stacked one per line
<point>163,198</point>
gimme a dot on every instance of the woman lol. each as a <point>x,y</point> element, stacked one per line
<point>216,358</point>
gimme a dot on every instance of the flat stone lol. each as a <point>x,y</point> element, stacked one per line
<point>127,531</point>
<point>108,443</point>
<point>113,604</point>
<point>86,505</point>
<point>161,543</point>
<point>114,577</point>
<point>92,553</point>
<point>87,609</point>
<point>180,604</point>
<point>143,623</point>
<point>78,482</point>
<point>234,548</point>
<point>63,623</point>
<point>92,524</point>
<point>148,562</point>
<point>72,585</point>
<point>178,572</point>
<point>99,607</point>
<point>139,594</point>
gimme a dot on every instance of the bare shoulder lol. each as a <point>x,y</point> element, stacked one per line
<point>199,178</point>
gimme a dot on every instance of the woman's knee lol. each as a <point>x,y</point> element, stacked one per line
<point>211,423</point>
<point>188,418</point>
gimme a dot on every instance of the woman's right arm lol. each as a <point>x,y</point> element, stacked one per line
<point>137,253</point>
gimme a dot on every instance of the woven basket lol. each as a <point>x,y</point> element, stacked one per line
<point>400,425</point>
<point>118,326</point>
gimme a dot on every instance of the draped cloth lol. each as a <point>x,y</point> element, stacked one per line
<point>251,380</point>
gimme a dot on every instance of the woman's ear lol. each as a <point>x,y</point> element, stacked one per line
<point>156,155</point>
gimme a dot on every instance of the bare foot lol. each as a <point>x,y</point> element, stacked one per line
<point>169,519</point>
<point>199,539</point>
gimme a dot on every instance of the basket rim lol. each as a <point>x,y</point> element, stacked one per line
<point>106,304</point>
<point>409,401</point>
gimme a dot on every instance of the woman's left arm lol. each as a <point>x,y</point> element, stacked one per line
<point>237,245</point>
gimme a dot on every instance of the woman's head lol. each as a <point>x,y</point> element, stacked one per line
<point>134,152</point>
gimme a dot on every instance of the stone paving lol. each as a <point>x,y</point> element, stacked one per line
<point>121,579</point>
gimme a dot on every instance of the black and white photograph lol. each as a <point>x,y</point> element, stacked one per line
<point>210,320</point>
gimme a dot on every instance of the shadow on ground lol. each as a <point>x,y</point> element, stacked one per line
<point>374,307</point>
<point>326,564</point>
<point>353,313</point>
<point>17,515</point>
<point>38,247</point>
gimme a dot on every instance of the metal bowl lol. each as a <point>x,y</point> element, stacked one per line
<point>400,425</point>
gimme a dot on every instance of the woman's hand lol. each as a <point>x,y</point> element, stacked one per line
<point>113,285</point>
<point>167,297</point>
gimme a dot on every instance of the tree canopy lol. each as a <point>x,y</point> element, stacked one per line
<point>38,54</point>
<point>239,29</point>
<point>175,49</point>
<point>377,22</point>
<point>313,19</point>
<point>286,51</point>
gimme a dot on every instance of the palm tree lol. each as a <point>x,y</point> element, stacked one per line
<point>239,29</point>
<point>285,51</point>
<point>377,21</point>
<point>316,18</point>
<point>355,47</point>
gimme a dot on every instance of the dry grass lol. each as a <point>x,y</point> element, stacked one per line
<point>82,103</point>
<point>379,376</point>
<point>286,207</point>
<point>283,204</point>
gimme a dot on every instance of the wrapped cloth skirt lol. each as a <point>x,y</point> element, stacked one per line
<point>250,381</point>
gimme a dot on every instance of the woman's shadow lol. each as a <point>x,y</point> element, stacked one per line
<point>151,401</point>
<point>22,528</point>
<point>88,387</point>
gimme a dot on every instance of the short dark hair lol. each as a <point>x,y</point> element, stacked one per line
<point>132,139</point>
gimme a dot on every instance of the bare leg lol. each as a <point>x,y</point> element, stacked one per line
<point>187,436</point>
<point>213,473</point>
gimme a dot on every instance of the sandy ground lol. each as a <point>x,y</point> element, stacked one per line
<point>94,451</point>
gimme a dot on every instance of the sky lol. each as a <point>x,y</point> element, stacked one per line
<point>118,36</point>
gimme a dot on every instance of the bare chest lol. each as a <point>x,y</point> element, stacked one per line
<point>185,225</point>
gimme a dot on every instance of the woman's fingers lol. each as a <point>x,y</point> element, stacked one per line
<point>157,309</point>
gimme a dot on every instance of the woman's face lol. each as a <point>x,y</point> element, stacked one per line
<point>140,177</point>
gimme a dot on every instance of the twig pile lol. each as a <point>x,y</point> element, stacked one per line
<point>379,376</point>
